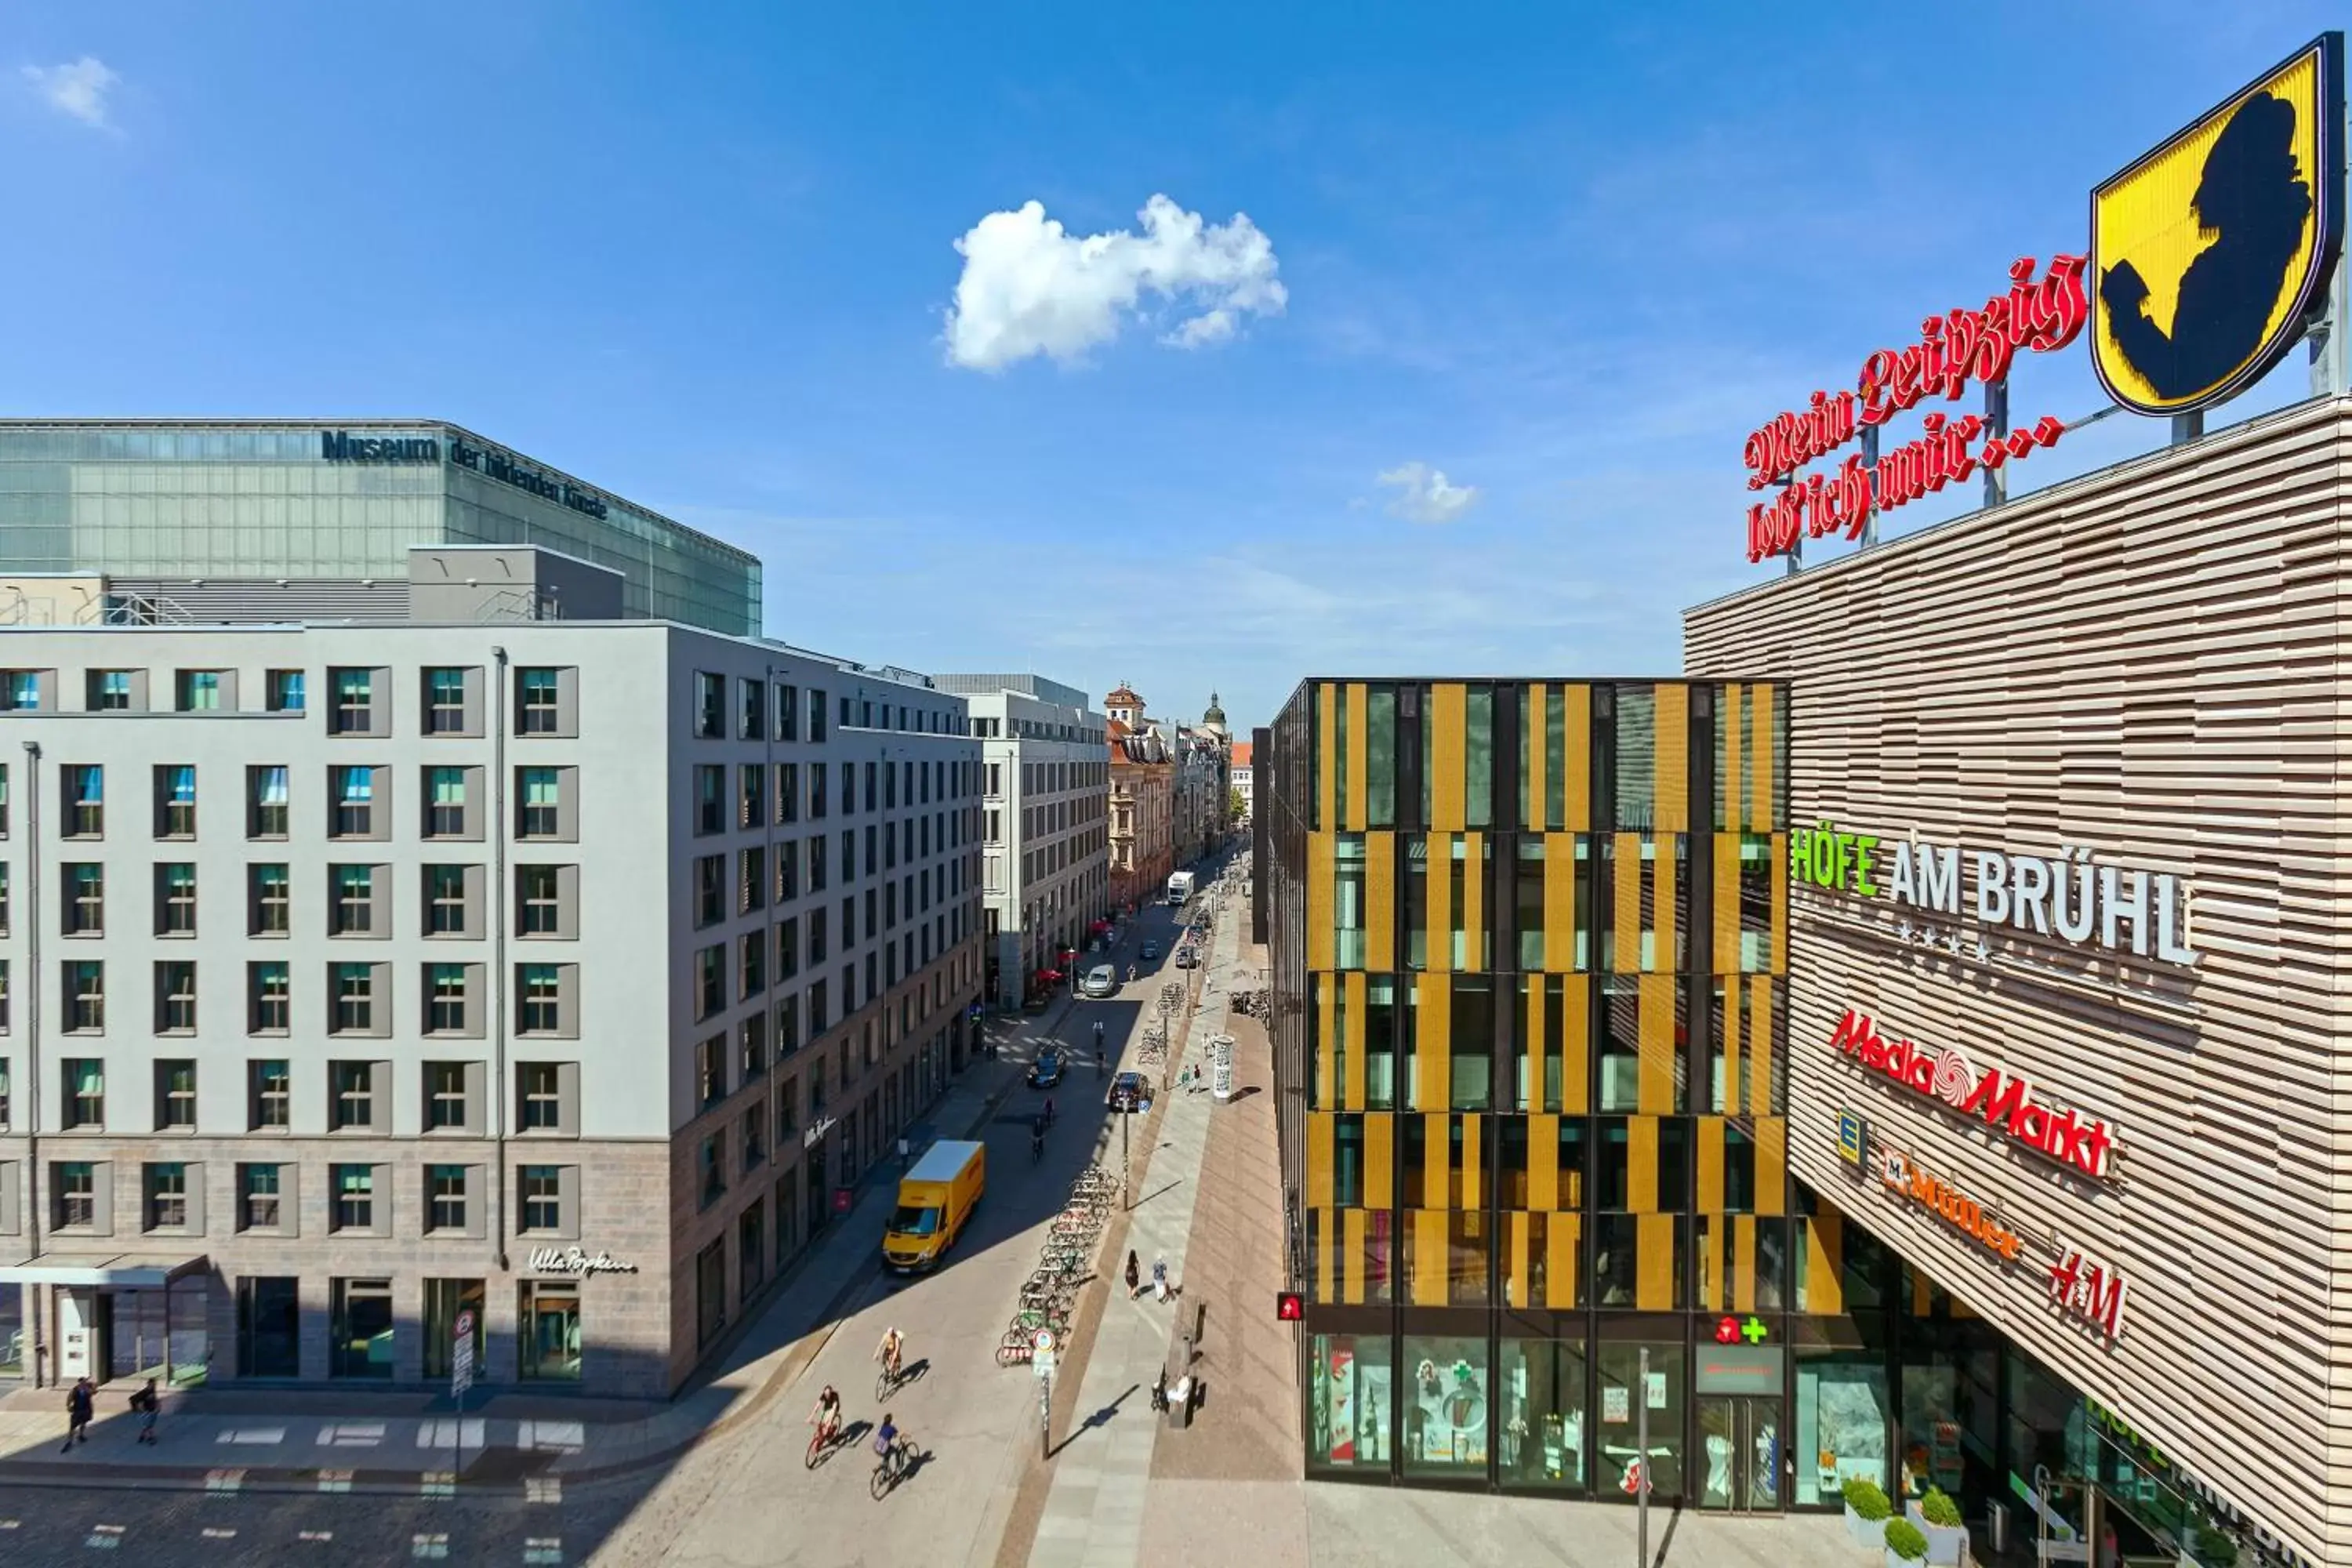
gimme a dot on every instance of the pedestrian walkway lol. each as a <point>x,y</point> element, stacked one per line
<point>238,1439</point>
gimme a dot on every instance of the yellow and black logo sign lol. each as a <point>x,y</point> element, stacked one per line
<point>2209,251</point>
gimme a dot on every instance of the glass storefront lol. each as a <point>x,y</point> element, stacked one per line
<point>1448,1422</point>
<point>445,1301</point>
<point>548,1325</point>
<point>1542,1387</point>
<point>1623,1388</point>
<point>268,1322</point>
<point>360,1329</point>
<point>1349,1404</point>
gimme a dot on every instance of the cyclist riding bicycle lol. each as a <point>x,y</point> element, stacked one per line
<point>826,1416</point>
<point>887,1353</point>
<point>886,1438</point>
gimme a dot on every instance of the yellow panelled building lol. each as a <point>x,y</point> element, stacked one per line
<point>1529,941</point>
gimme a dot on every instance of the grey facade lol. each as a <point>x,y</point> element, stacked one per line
<point>485,942</point>
<point>181,513</point>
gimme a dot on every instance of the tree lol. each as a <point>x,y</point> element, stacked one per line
<point>1233,806</point>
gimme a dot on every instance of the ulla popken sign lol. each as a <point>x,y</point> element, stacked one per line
<point>2084,1145</point>
<point>577,1260</point>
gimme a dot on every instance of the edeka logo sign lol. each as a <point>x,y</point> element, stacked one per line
<point>2210,250</point>
<point>342,447</point>
<point>2084,1145</point>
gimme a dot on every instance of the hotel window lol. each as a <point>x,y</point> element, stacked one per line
<point>543,1200</point>
<point>354,1189</point>
<point>352,1107</point>
<point>539,701</point>
<point>445,999</point>
<point>752,710</point>
<point>538,800</point>
<point>755,1137</point>
<point>85,791</point>
<point>709,705</point>
<point>354,900</point>
<point>541,898</point>
<point>199,690</point>
<point>269,999</point>
<point>711,980</point>
<point>710,889</point>
<point>257,1191</point>
<point>816,878</point>
<point>539,999</point>
<point>816,791</point>
<point>20,692</point>
<point>175,899</point>
<point>446,1099</point>
<point>752,881</point>
<point>788,949</point>
<point>175,801</point>
<point>3,800</point>
<point>167,1196</point>
<point>444,810</point>
<point>752,1046</point>
<point>710,799</point>
<point>787,712</point>
<point>282,690</point>
<point>446,1187</point>
<point>85,990</point>
<point>788,871</point>
<point>84,912</point>
<point>85,1092</point>
<point>353,791</point>
<point>76,1204</point>
<point>175,997</point>
<point>751,963</point>
<point>445,903</point>
<point>788,791</point>
<point>264,801</point>
<point>816,716</point>
<point>542,1097</point>
<point>354,994</point>
<point>269,887</point>
<point>711,1070</point>
<point>751,795</point>
<point>445,700</point>
<point>272,1091</point>
<point>109,690</point>
<point>354,702</point>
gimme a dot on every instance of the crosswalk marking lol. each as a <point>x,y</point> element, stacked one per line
<point>542,1549</point>
<point>318,1535</point>
<point>437,1484</point>
<point>104,1538</point>
<point>224,1482</point>
<point>428,1547</point>
<point>542,1489</point>
<point>335,1480</point>
<point>214,1532</point>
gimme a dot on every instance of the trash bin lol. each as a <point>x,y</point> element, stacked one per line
<point>1996,1527</point>
<point>1180,1403</point>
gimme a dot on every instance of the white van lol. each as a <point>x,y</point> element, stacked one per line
<point>1100,981</point>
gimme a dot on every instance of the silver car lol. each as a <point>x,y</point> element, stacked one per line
<point>1100,981</point>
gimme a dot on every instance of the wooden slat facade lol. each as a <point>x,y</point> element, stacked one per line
<point>2148,662</point>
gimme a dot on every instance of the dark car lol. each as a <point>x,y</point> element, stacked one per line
<point>1187,959</point>
<point>1047,1070</point>
<point>1150,951</point>
<point>1128,1091</point>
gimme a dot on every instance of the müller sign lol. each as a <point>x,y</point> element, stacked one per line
<point>2083,1144</point>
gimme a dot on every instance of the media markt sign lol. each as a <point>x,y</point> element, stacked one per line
<point>2084,1144</point>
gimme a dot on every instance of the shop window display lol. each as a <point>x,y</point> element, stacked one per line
<point>1542,1438</point>
<point>1621,1385</point>
<point>1348,1406</point>
<point>1841,1423</point>
<point>1447,1420</point>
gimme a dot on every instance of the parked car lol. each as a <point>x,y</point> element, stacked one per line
<point>1187,959</point>
<point>1100,981</point>
<point>1047,1070</point>
<point>1129,1092</point>
<point>1150,951</point>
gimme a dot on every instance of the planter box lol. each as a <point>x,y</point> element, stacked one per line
<point>1948,1548</point>
<point>1894,1561</point>
<point>1864,1532</point>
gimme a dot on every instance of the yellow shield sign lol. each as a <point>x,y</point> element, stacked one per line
<point>2209,251</point>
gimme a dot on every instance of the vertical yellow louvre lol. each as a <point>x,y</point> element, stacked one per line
<point>1437,1164</point>
<point>1379,902</point>
<point>1771,1164</point>
<point>1653,1276</point>
<point>1380,1160</point>
<point>1559,903</point>
<point>1543,1162</point>
<point>1438,941</point>
<point>1428,1257</point>
<point>1352,1271</point>
<point>1356,810</point>
<point>1320,1130</point>
<point>1326,756</point>
<point>1576,725</point>
<point>1642,1163</point>
<point>1743,1263</point>
<point>1727,903</point>
<point>1352,1048</point>
<point>1561,1233</point>
<point>1761,702</point>
<point>1474,1167</point>
<point>1709,1197</point>
<point>1672,811</point>
<point>1327,1039</point>
<point>1533,1045</point>
<point>1626,933</point>
<point>1759,1046</point>
<point>1576,1017</point>
<point>1920,1287</point>
<point>1474,901</point>
<point>1322,886</point>
<point>1449,759</point>
<point>1662,951</point>
<point>1824,1278</point>
<point>1730,789</point>
<point>1710,1265</point>
<point>1515,1234</point>
<point>1327,1224</point>
<point>1656,1093</point>
<point>1432,1041</point>
<point>1532,736</point>
<point>1780,903</point>
<point>1727,1035</point>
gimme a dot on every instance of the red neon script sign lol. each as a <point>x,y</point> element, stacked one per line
<point>2082,1144</point>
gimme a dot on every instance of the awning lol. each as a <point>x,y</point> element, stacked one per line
<point>116,1271</point>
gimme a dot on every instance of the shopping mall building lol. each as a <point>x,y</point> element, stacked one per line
<point>2053,840</point>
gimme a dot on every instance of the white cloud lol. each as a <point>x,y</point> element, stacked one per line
<point>78,87</point>
<point>1029,287</point>
<point>1423,496</point>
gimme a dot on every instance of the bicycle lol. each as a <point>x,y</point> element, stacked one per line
<point>886,1381</point>
<point>821,1442</point>
<point>889,1470</point>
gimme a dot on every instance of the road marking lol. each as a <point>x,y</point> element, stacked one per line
<point>542,1489</point>
<point>318,1535</point>
<point>351,1435</point>
<point>10,1524</point>
<point>104,1538</point>
<point>540,1549</point>
<point>428,1547</point>
<point>223,1482</point>
<point>335,1480</point>
<point>269,1435</point>
<point>437,1484</point>
<point>214,1532</point>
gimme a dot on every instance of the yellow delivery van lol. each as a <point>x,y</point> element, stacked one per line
<point>935,1198</point>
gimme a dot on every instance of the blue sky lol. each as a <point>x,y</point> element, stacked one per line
<point>1565,256</point>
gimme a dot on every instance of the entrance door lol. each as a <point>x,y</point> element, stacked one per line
<point>1740,1453</point>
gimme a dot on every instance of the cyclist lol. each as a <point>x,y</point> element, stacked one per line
<point>885,1439</point>
<point>1098,1040</point>
<point>887,1353</point>
<point>826,1416</point>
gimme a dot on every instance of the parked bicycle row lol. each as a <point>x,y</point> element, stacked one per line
<point>1049,1296</point>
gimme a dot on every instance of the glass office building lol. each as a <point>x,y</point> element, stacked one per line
<point>1528,940</point>
<point>149,499</point>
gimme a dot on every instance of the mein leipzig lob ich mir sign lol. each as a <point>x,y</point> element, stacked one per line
<point>2206,257</point>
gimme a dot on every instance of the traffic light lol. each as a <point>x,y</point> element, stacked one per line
<point>1289,1306</point>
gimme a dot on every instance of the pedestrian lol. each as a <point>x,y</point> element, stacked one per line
<point>1160,1390</point>
<point>1159,1278</point>
<point>1134,1275</point>
<point>78,1403</point>
<point>149,1405</point>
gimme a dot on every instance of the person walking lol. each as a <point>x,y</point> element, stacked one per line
<point>1134,1275</point>
<point>149,1405</point>
<point>79,1400</point>
<point>1159,1278</point>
